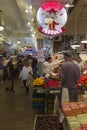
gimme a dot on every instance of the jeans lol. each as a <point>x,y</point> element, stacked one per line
<point>24,83</point>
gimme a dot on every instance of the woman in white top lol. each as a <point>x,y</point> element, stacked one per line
<point>80,64</point>
<point>48,66</point>
<point>25,72</point>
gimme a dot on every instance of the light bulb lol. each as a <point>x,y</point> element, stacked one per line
<point>1,28</point>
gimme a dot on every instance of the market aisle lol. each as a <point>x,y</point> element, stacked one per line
<point>16,111</point>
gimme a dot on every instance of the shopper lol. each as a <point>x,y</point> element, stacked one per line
<point>1,69</point>
<point>70,74</point>
<point>80,64</point>
<point>47,66</point>
<point>10,71</point>
<point>24,74</point>
<point>30,76</point>
<point>85,67</point>
<point>34,67</point>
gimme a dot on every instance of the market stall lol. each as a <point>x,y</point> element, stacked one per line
<point>82,84</point>
<point>75,116</point>
<point>44,94</point>
<point>46,122</point>
<point>72,115</point>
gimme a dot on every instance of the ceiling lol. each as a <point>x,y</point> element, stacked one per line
<point>77,21</point>
<point>22,25</point>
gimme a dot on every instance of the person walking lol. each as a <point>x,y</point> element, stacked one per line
<point>34,67</point>
<point>10,71</point>
<point>1,69</point>
<point>24,74</point>
<point>70,74</point>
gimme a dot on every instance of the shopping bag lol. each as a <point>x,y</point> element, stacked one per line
<point>65,95</point>
<point>56,106</point>
<point>29,82</point>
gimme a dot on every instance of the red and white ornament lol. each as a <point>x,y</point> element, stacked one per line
<point>51,18</point>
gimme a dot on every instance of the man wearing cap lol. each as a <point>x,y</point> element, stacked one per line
<point>70,74</point>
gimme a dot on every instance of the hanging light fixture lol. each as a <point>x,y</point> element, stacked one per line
<point>75,43</point>
<point>68,4</point>
<point>1,21</point>
<point>75,40</point>
<point>84,40</point>
<point>18,41</point>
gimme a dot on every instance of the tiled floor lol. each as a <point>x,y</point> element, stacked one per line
<point>16,111</point>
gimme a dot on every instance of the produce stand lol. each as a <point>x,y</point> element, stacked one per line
<point>75,116</point>
<point>38,98</point>
<point>71,115</point>
<point>44,98</point>
<point>50,95</point>
<point>82,84</point>
<point>43,95</point>
<point>46,122</point>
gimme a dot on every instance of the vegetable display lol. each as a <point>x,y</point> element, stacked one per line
<point>47,122</point>
<point>82,81</point>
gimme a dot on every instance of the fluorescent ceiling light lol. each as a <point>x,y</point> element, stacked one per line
<point>84,41</point>
<point>68,5</point>
<point>26,11</point>
<point>30,6</point>
<point>1,24</point>
<point>28,23</point>
<point>76,46</point>
<point>1,28</point>
<point>32,19</point>
<point>18,42</point>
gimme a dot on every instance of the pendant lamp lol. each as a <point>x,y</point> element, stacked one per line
<point>84,40</point>
<point>68,4</point>
<point>1,21</point>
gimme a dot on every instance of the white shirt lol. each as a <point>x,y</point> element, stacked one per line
<point>25,71</point>
<point>80,64</point>
<point>47,67</point>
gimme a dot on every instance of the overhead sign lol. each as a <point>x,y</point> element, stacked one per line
<point>40,55</point>
<point>51,18</point>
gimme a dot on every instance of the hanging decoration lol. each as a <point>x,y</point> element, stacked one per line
<point>51,18</point>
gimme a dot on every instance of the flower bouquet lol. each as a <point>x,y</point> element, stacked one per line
<point>82,83</point>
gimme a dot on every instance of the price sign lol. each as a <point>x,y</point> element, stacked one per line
<point>40,55</point>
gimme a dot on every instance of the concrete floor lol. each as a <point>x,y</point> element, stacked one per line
<point>16,111</point>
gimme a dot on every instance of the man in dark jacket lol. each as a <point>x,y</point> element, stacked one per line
<point>10,70</point>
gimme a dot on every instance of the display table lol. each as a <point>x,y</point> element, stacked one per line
<point>46,122</point>
<point>42,97</point>
<point>38,98</point>
<point>75,116</point>
<point>50,97</point>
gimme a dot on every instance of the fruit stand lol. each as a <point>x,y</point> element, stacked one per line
<point>82,84</point>
<point>44,94</point>
<point>74,113</point>
<point>38,96</point>
<point>46,122</point>
<point>75,116</point>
